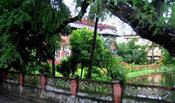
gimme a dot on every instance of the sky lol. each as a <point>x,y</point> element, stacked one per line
<point>121,27</point>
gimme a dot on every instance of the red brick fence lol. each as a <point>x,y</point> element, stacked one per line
<point>83,90</point>
<point>110,91</point>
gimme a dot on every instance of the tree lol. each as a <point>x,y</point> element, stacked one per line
<point>147,18</point>
<point>28,29</point>
<point>96,12</point>
<point>105,65</point>
<point>81,41</point>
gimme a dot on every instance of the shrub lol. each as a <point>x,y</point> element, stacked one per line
<point>45,69</point>
<point>132,53</point>
<point>64,68</point>
<point>116,71</point>
<point>167,58</point>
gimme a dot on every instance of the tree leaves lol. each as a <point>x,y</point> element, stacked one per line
<point>172,18</point>
<point>8,51</point>
<point>81,42</point>
<point>132,53</point>
<point>27,26</point>
<point>97,10</point>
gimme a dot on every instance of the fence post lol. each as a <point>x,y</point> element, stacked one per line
<point>43,81</point>
<point>3,75</point>
<point>21,79</point>
<point>21,82</point>
<point>117,92</point>
<point>74,86</point>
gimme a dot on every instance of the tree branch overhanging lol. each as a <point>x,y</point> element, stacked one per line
<point>83,10</point>
<point>128,14</point>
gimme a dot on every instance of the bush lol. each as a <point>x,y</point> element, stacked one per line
<point>64,68</point>
<point>45,69</point>
<point>81,45</point>
<point>116,71</point>
<point>167,58</point>
<point>132,53</point>
<point>100,74</point>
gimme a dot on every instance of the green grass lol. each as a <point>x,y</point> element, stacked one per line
<point>58,74</point>
<point>135,74</point>
<point>78,73</point>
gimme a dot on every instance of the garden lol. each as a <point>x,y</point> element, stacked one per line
<point>30,34</point>
<point>127,64</point>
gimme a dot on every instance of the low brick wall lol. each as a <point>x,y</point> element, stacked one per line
<point>40,89</point>
<point>71,90</point>
<point>48,95</point>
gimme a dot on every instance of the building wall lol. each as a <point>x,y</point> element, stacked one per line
<point>64,51</point>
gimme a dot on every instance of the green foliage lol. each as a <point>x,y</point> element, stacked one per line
<point>65,67</point>
<point>44,69</point>
<point>100,74</point>
<point>32,68</point>
<point>8,52</point>
<point>97,10</point>
<point>132,53</point>
<point>28,31</point>
<point>105,67</point>
<point>116,70</point>
<point>167,58</point>
<point>81,42</point>
<point>147,14</point>
<point>172,18</point>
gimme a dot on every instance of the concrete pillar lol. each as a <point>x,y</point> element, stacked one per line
<point>21,82</point>
<point>74,86</point>
<point>117,92</point>
<point>5,74</point>
<point>21,79</point>
<point>43,82</point>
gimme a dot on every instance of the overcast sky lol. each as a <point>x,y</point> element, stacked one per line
<point>121,27</point>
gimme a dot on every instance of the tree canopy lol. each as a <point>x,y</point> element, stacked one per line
<point>29,30</point>
<point>151,19</point>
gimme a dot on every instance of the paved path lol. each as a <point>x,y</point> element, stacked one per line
<point>6,99</point>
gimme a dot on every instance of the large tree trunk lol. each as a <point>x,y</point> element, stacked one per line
<point>165,37</point>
